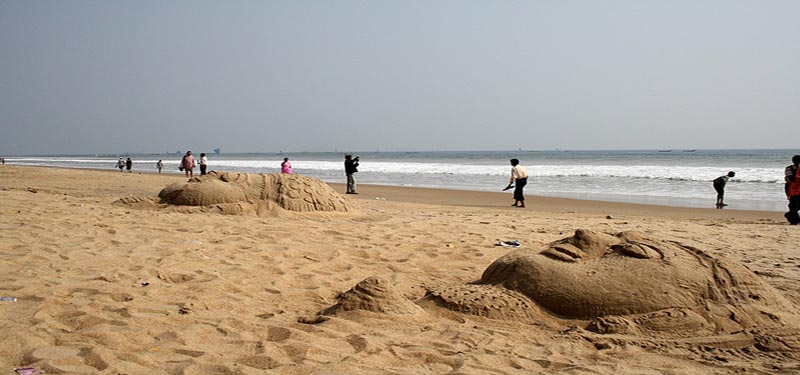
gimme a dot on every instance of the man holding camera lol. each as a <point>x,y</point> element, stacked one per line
<point>350,168</point>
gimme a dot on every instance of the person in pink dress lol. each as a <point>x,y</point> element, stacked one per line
<point>188,164</point>
<point>286,167</point>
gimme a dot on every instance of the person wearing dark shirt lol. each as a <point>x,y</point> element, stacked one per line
<point>793,192</point>
<point>719,186</point>
<point>350,168</point>
<point>789,172</point>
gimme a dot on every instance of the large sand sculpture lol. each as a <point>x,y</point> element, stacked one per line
<point>626,284</point>
<point>242,193</point>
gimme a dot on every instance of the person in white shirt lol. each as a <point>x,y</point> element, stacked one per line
<point>519,178</point>
<point>203,163</point>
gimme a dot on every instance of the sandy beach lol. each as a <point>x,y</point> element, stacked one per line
<point>108,286</point>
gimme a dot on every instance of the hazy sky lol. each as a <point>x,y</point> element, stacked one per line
<point>261,76</point>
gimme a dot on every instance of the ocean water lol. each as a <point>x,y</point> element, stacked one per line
<point>662,177</point>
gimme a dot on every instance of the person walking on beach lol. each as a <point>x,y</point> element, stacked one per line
<point>286,167</point>
<point>350,169</point>
<point>203,163</point>
<point>793,192</point>
<point>159,166</point>
<point>120,164</point>
<point>519,178</point>
<point>719,186</point>
<point>188,164</point>
<point>128,165</point>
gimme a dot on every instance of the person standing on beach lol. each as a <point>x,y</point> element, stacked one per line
<point>286,167</point>
<point>129,165</point>
<point>719,186</point>
<point>159,166</point>
<point>793,192</point>
<point>350,169</point>
<point>120,164</point>
<point>789,173</point>
<point>203,163</point>
<point>188,164</point>
<point>519,178</point>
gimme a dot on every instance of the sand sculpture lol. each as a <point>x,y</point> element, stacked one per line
<point>242,193</point>
<point>373,294</point>
<point>627,283</point>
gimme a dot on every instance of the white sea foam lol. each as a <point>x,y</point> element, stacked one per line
<point>676,173</point>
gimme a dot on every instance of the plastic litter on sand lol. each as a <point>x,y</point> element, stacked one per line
<point>27,371</point>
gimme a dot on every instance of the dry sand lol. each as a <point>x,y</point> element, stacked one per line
<point>134,288</point>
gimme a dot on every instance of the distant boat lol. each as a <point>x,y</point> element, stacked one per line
<point>689,150</point>
<point>217,150</point>
<point>664,150</point>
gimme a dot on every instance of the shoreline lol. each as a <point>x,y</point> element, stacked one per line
<point>540,204</point>
<point>690,196</point>
<point>502,200</point>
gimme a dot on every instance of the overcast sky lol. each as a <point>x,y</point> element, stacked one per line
<point>261,76</point>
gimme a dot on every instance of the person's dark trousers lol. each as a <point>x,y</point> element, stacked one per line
<point>203,169</point>
<point>720,193</point>
<point>520,184</point>
<point>351,184</point>
<point>794,207</point>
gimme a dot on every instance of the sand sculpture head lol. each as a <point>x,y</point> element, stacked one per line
<point>232,192</point>
<point>630,282</point>
<point>624,283</point>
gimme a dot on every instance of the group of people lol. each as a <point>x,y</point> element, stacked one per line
<point>519,178</point>
<point>188,163</point>
<point>791,188</point>
<point>127,165</point>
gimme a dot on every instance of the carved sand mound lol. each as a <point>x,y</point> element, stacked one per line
<point>628,283</point>
<point>373,294</point>
<point>242,193</point>
<point>625,284</point>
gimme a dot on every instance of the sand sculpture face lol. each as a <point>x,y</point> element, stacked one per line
<point>235,193</point>
<point>627,283</point>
